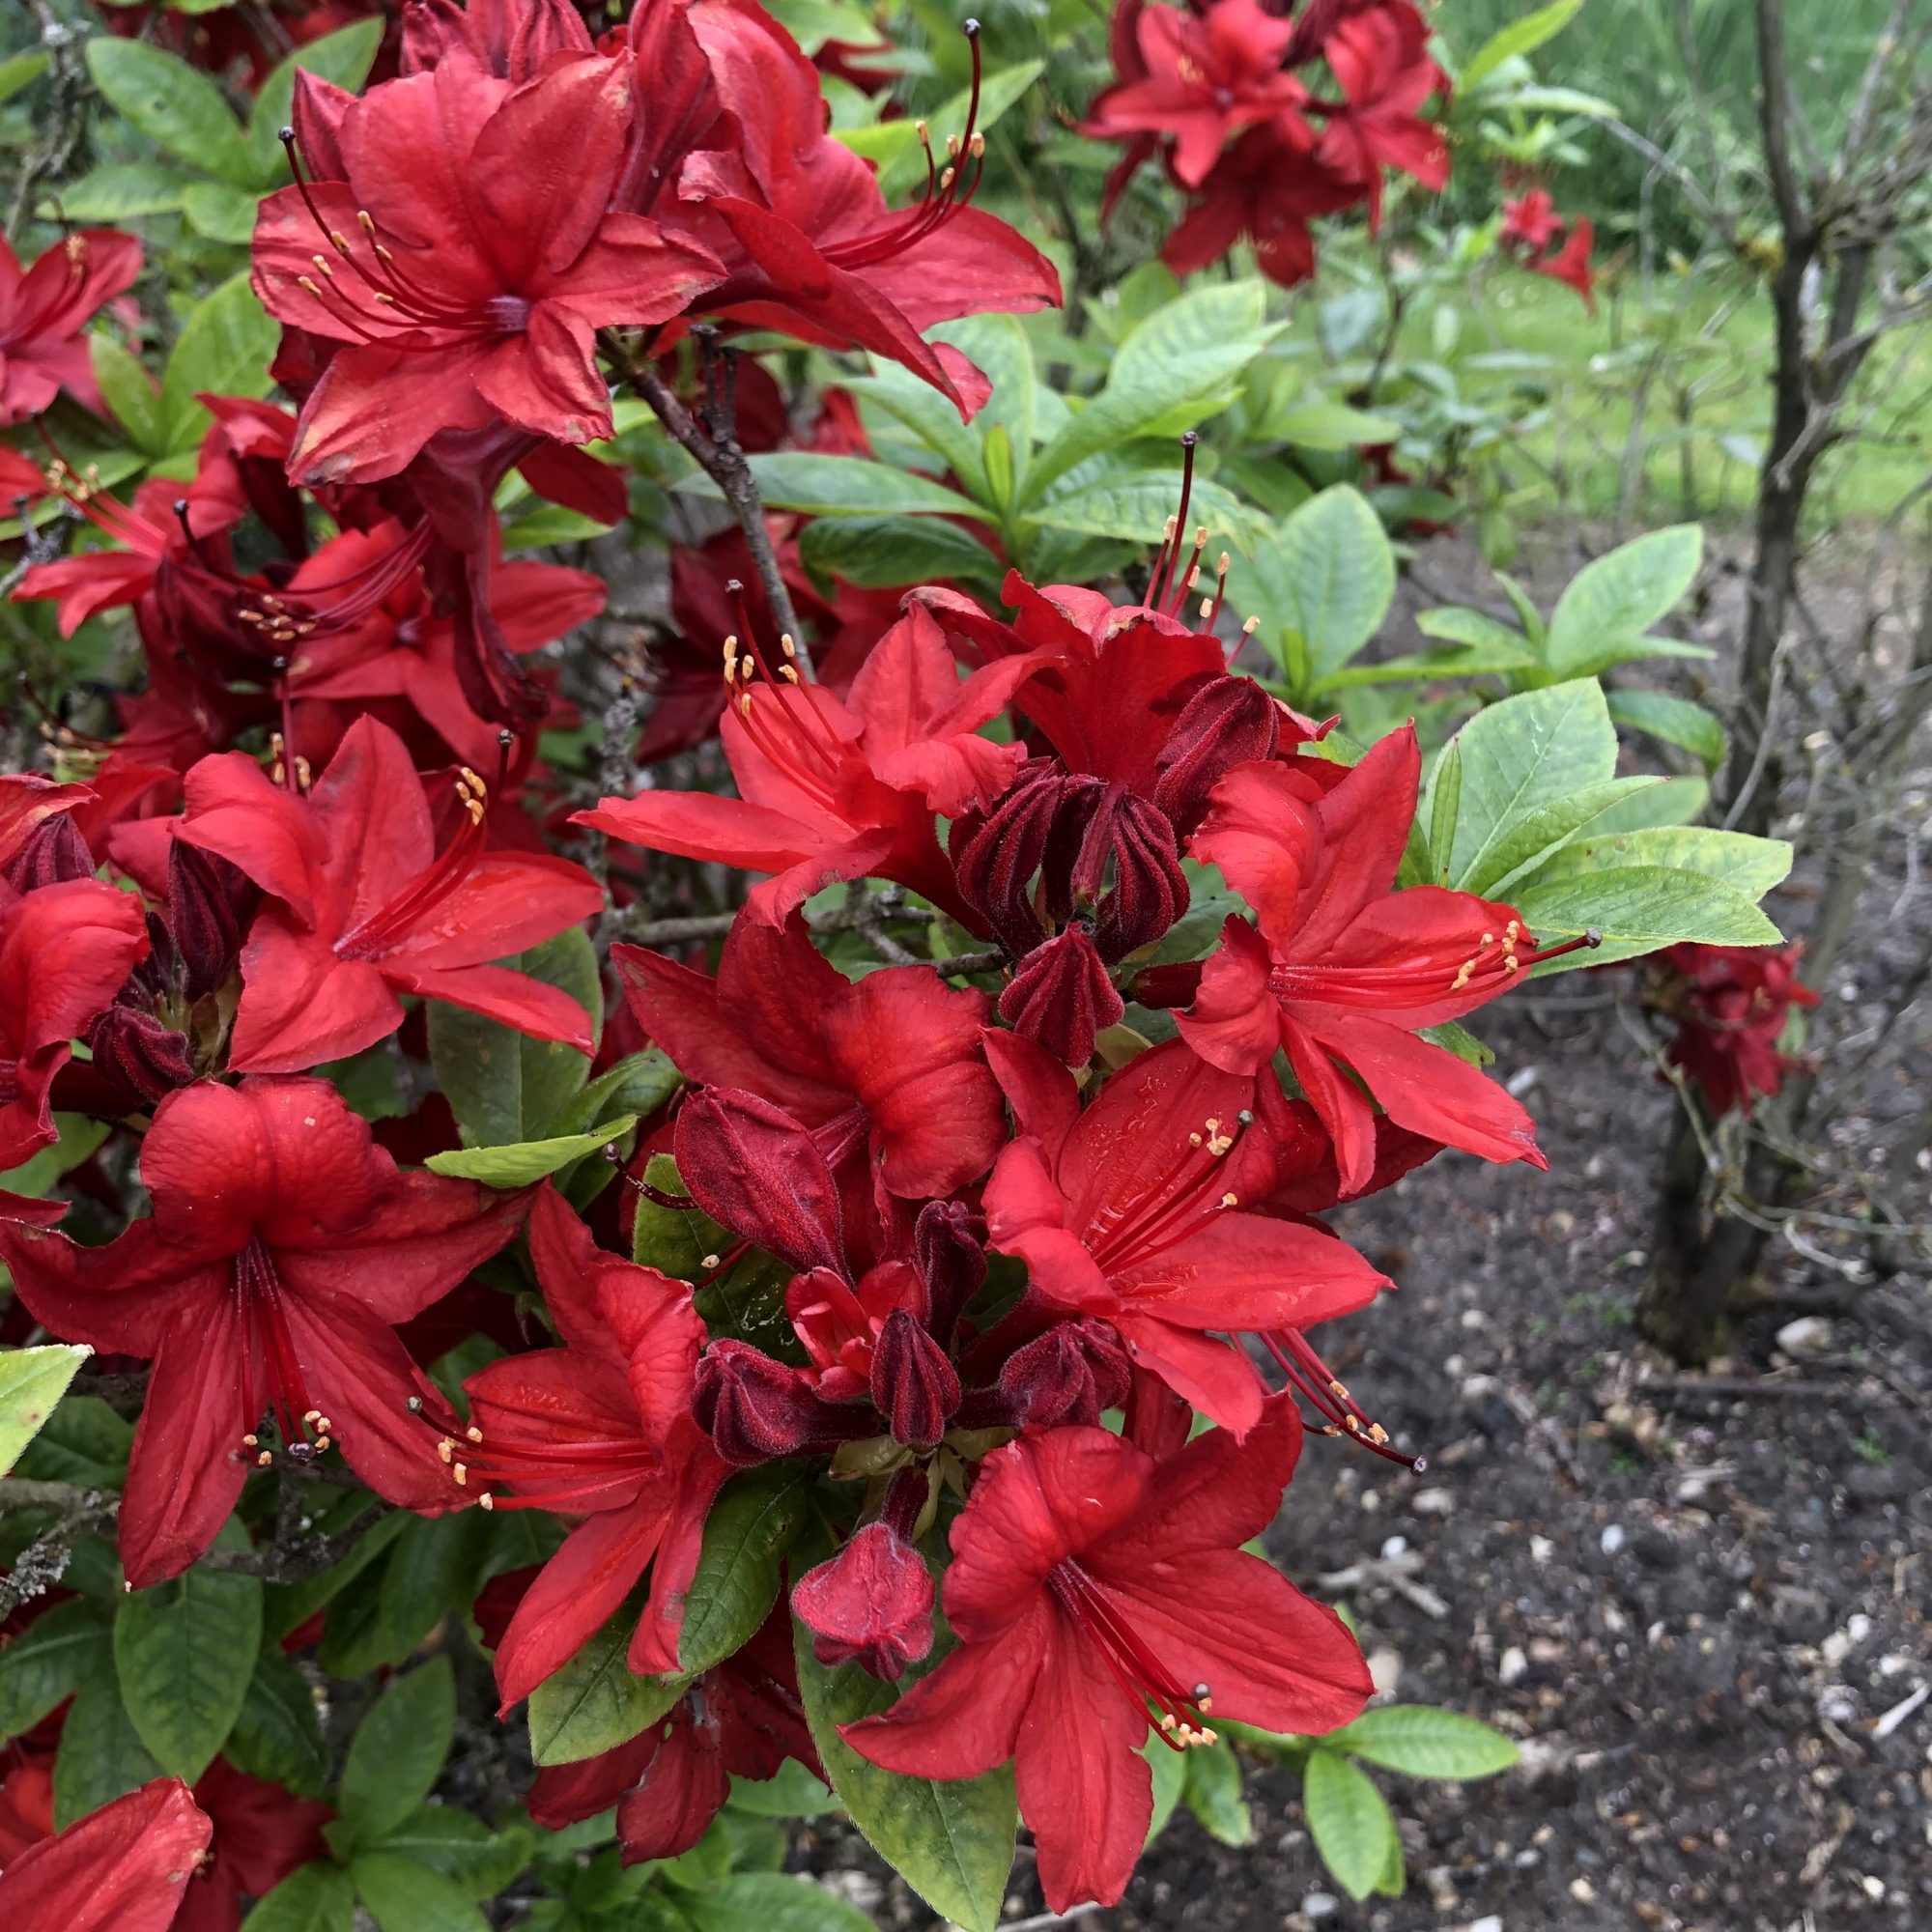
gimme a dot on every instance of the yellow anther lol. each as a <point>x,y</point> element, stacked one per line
<point>1228,1201</point>
<point>474,1433</point>
<point>461,1474</point>
<point>248,1441</point>
<point>786,644</point>
<point>709,1261</point>
<point>1250,627</point>
<point>263,1460</point>
<point>485,1501</point>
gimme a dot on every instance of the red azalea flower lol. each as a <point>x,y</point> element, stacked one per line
<point>43,314</point>
<point>453,234</point>
<point>365,910</point>
<point>1204,77</point>
<point>1531,222</point>
<point>1344,970</point>
<point>599,1428</point>
<point>807,242</point>
<point>282,1248</point>
<point>405,650</point>
<point>123,1868</point>
<point>1129,1210</point>
<point>262,1832</point>
<point>1547,244</point>
<point>832,788</point>
<point>1731,1011</point>
<point>1570,263</point>
<point>885,1070</point>
<point>1267,186</point>
<point>65,951</point>
<point>1089,1583</point>
<point>1380,57</point>
<point>741,1719</point>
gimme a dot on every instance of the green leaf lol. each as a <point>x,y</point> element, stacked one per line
<point>1445,802</point>
<point>1529,752</point>
<point>224,350</point>
<point>1475,629</point>
<point>49,1661</point>
<point>397,1751</point>
<point>1350,1820</point>
<point>1181,359</point>
<point>504,1087</point>
<point>176,107</point>
<point>638,1084</point>
<point>526,1162</point>
<point>343,57</point>
<point>1213,1793</point>
<point>82,1442</point>
<point>839,486</point>
<point>1669,802</point>
<point>773,1902</point>
<point>750,1527</point>
<point>997,346</point>
<point>792,1792</point>
<point>221,211</point>
<point>119,191</point>
<point>18,71</point>
<point>1425,1743</point>
<point>435,1569</point>
<point>1325,582</point>
<point>1619,596</point>
<point>1677,720</point>
<point>883,552</point>
<point>185,1652</point>
<point>1331,426</point>
<point>928,415</point>
<point>1168,1768</point>
<point>315,1897</point>
<point>1517,38</point>
<point>1637,909</point>
<point>100,1755</point>
<point>132,400</point>
<point>950,1839</point>
<point>278,1734</point>
<point>1525,842</point>
<point>457,1843</point>
<point>674,1240</point>
<point>596,1702</point>
<point>40,1174</point>
<point>32,1381</point>
<point>1138,507</point>
<point>403,1897</point>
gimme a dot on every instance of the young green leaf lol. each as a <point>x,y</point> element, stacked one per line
<point>1326,580</point>
<point>458,1844</point>
<point>48,1662</point>
<point>1426,1743</point>
<point>397,1751</point>
<point>1619,596</point>
<point>526,1162</point>
<point>224,350</point>
<point>1213,1793</point>
<point>750,1528</point>
<point>315,1897</point>
<point>32,1381</point>
<point>1519,38</point>
<point>1677,720</point>
<point>773,1902</point>
<point>403,1896</point>
<point>1350,1821</point>
<point>185,1652</point>
<point>176,107</point>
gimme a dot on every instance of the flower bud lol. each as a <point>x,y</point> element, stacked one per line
<point>997,854</point>
<point>1149,890</point>
<point>914,1386</point>
<point>139,1056</point>
<point>1229,721</point>
<point>755,1170</point>
<point>756,1409</point>
<point>51,853</point>
<point>1060,997</point>
<point>1070,1374</point>
<point>948,1248</point>
<point>871,1603</point>
<point>205,894</point>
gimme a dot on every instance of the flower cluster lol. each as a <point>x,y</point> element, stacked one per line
<point>1216,93</point>
<point>1547,244</point>
<point>1732,1004</point>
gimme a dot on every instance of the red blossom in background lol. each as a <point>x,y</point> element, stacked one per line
<point>44,311</point>
<point>1547,244</point>
<point>1732,1003</point>
<point>282,1249</point>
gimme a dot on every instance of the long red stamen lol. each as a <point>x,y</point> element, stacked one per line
<point>304,1430</point>
<point>1330,1399</point>
<point>1169,1209</point>
<point>1180,1715</point>
<point>373,936</point>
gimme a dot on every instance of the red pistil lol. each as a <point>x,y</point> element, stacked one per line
<point>1180,1716</point>
<point>258,1293</point>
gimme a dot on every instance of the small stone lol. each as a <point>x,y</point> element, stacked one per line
<point>1612,1539</point>
<point>1582,1892</point>
<point>1513,1665</point>
<point>1541,1550</point>
<point>1320,1905</point>
<point>1806,1339</point>
<point>1433,1502</point>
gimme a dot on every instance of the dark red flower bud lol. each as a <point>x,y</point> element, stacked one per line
<point>1149,890</point>
<point>1061,997</point>
<point>139,1056</point>
<point>756,1409</point>
<point>871,1603</point>
<point>1229,721</point>
<point>996,855</point>
<point>755,1170</point>
<point>948,1248</point>
<point>205,899</point>
<point>52,852</point>
<point>1070,1374</point>
<point>1164,986</point>
<point>914,1386</point>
